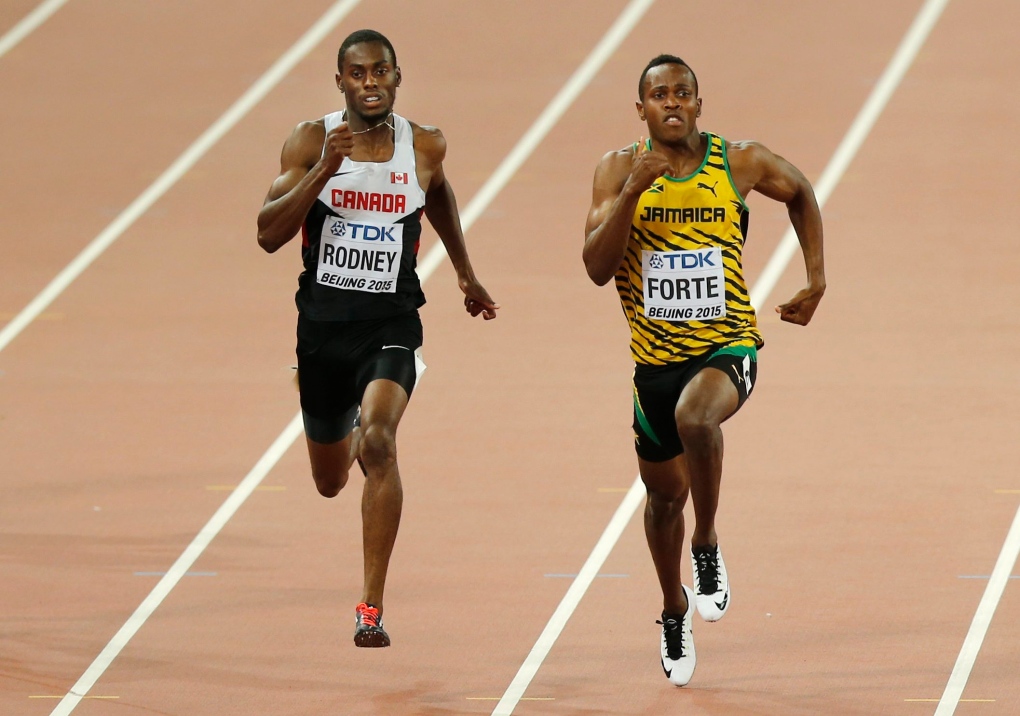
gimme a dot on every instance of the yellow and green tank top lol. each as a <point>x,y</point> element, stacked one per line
<point>681,283</point>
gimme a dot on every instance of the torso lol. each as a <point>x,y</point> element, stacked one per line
<point>681,284</point>
<point>360,239</point>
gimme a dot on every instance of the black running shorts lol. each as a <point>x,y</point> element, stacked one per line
<point>338,359</point>
<point>657,391</point>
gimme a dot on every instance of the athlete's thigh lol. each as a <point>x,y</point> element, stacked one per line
<point>326,382</point>
<point>394,355</point>
<point>718,389</point>
<point>708,397</point>
<point>656,391</point>
<point>329,459</point>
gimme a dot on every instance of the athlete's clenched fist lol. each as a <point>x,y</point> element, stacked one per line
<point>646,167</point>
<point>339,144</point>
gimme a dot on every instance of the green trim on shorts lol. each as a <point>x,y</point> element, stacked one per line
<point>643,421</point>
<point>739,351</point>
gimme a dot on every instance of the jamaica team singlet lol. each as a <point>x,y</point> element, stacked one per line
<point>360,238</point>
<point>681,284</point>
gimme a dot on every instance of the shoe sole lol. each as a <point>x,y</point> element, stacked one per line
<point>371,639</point>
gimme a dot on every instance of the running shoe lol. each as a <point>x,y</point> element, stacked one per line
<point>710,582</point>
<point>368,628</point>
<point>677,644</point>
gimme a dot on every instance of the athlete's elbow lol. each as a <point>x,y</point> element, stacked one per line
<point>598,276</point>
<point>269,242</point>
<point>596,269</point>
<point>266,245</point>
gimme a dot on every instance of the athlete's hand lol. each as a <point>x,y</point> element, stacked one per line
<point>801,307</point>
<point>646,167</point>
<point>339,144</point>
<point>477,299</point>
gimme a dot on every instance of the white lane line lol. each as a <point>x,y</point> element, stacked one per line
<point>581,78</point>
<point>844,154</point>
<point>518,155</point>
<point>515,691</point>
<point>255,94</point>
<point>178,570</point>
<point>28,24</point>
<point>873,107</point>
<point>982,619</point>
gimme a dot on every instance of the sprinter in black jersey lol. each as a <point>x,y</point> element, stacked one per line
<point>355,184</point>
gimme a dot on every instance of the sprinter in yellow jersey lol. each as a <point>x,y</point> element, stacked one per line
<point>668,222</point>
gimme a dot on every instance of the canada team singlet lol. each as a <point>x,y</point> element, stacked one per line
<point>360,238</point>
<point>681,284</point>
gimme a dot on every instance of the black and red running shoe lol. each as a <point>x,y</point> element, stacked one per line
<point>368,627</point>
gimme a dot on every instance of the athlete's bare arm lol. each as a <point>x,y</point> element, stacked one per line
<point>755,168</point>
<point>304,170</point>
<point>442,213</point>
<point>620,179</point>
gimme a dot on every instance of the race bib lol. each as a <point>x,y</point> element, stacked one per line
<point>684,285</point>
<point>360,256</point>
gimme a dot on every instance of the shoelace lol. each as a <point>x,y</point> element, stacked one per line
<point>708,570</point>
<point>368,616</point>
<point>674,638</point>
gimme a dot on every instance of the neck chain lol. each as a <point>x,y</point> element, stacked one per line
<point>388,122</point>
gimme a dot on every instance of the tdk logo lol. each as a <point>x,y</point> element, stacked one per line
<point>362,232</point>
<point>689,260</point>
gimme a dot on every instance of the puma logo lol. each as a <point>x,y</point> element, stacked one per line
<point>740,379</point>
<point>702,185</point>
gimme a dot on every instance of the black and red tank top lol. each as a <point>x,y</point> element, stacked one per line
<point>360,239</point>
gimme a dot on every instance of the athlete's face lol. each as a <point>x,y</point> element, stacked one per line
<point>671,106</point>
<point>369,80</point>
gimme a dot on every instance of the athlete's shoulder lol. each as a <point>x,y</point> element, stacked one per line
<point>304,145</point>
<point>746,155</point>
<point>615,164</point>
<point>746,150</point>
<point>429,141</point>
<point>313,129</point>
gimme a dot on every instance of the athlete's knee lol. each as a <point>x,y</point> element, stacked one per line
<point>668,497</point>
<point>696,427</point>
<point>378,447</point>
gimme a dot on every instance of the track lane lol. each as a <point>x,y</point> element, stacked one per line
<point>189,443</point>
<point>535,450</point>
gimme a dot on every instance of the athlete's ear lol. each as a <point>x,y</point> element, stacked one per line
<point>699,108</point>
<point>640,110</point>
<point>398,76</point>
<point>339,82</point>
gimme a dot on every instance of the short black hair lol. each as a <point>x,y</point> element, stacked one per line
<point>359,36</point>
<point>663,60</point>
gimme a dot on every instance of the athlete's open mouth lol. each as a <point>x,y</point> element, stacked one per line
<point>371,99</point>
<point>673,120</point>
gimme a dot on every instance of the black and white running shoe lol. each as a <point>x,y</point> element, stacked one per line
<point>368,628</point>
<point>677,644</point>
<point>710,582</point>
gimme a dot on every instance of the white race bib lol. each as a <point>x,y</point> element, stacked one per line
<point>360,256</point>
<point>684,285</point>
